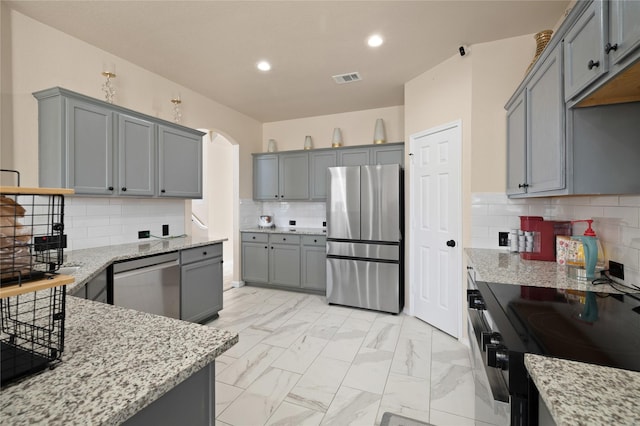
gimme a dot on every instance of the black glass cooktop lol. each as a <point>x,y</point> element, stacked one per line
<point>599,328</point>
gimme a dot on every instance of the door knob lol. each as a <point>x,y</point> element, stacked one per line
<point>451,243</point>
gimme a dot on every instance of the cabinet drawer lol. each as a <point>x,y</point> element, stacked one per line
<point>284,239</point>
<point>314,240</point>
<point>200,253</point>
<point>255,237</point>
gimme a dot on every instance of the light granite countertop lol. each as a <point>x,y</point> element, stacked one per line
<point>585,394</point>
<point>503,267</point>
<point>92,261</point>
<point>116,361</point>
<point>287,230</point>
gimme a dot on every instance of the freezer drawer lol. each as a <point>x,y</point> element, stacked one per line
<point>363,284</point>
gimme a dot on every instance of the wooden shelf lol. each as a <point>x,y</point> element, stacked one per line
<point>31,286</point>
<point>35,191</point>
<point>623,88</point>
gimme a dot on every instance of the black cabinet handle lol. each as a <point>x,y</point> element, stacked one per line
<point>204,253</point>
<point>315,241</point>
<point>266,247</point>
<point>163,191</point>
<point>124,189</point>
<point>609,47</point>
<point>276,195</point>
<point>271,247</point>
<point>284,239</point>
<point>592,64</point>
<point>110,188</point>
<point>253,237</point>
<point>523,185</point>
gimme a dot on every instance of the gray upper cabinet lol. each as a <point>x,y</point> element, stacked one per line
<point>354,157</point>
<point>265,177</point>
<point>136,156</point>
<point>516,147</point>
<point>624,30</point>
<point>293,178</point>
<point>98,148</point>
<point>546,126</point>
<point>584,55</point>
<point>387,154</point>
<point>319,162</point>
<point>180,163</point>
<point>89,156</point>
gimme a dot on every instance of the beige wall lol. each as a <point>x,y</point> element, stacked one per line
<point>41,57</point>
<point>356,127</point>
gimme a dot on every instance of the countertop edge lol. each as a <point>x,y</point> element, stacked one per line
<point>294,231</point>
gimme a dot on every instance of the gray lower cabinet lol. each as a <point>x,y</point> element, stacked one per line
<point>319,162</point>
<point>179,163</point>
<point>136,156</point>
<point>200,282</point>
<point>314,263</point>
<point>98,148</point>
<point>284,260</point>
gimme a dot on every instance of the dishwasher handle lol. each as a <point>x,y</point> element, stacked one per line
<point>143,270</point>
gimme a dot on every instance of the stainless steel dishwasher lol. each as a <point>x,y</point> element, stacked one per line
<point>149,284</point>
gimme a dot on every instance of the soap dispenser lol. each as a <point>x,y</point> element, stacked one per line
<point>593,252</point>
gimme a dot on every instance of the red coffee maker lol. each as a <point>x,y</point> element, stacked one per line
<point>544,236</point>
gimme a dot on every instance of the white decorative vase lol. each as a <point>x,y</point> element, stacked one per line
<point>379,133</point>
<point>307,142</point>
<point>271,146</point>
<point>336,141</point>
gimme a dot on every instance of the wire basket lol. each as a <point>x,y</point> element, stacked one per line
<point>31,332</point>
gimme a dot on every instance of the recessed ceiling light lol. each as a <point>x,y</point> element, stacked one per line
<point>264,66</point>
<point>375,40</point>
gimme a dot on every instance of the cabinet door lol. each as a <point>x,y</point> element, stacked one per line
<point>319,162</point>
<point>284,265</point>
<point>584,56</point>
<point>201,290</point>
<point>179,163</point>
<point>265,177</point>
<point>136,156</point>
<point>255,262</point>
<point>354,157</point>
<point>545,127</point>
<point>624,28</point>
<point>387,155</point>
<point>516,147</point>
<point>314,268</point>
<point>294,176</point>
<point>90,148</point>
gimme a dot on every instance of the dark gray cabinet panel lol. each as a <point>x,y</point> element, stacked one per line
<point>546,127</point>
<point>354,157</point>
<point>180,163</point>
<point>136,156</point>
<point>90,148</point>
<point>265,177</point>
<point>584,56</point>
<point>387,154</point>
<point>319,162</point>
<point>293,178</point>
<point>313,262</point>
<point>516,147</point>
<point>255,262</point>
<point>200,282</point>
<point>284,264</point>
<point>624,30</point>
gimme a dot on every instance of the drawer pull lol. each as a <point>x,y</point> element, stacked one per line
<point>253,237</point>
<point>609,47</point>
<point>315,241</point>
<point>124,189</point>
<point>204,253</point>
<point>592,64</point>
<point>110,188</point>
<point>284,239</point>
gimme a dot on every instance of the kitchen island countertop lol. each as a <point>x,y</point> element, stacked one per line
<point>92,261</point>
<point>585,394</point>
<point>116,362</point>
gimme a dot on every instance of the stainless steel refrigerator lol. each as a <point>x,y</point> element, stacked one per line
<point>365,221</point>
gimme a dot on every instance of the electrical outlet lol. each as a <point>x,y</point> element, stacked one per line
<point>165,230</point>
<point>616,269</point>
<point>292,223</point>
<point>503,239</point>
<point>144,234</point>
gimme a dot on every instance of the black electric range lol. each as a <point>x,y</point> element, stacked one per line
<point>587,326</point>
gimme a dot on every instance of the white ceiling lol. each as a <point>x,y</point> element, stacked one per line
<point>212,47</point>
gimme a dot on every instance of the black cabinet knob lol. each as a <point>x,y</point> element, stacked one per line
<point>266,247</point>
<point>163,191</point>
<point>124,189</point>
<point>204,253</point>
<point>253,237</point>
<point>593,63</point>
<point>451,243</point>
<point>111,188</point>
<point>315,241</point>
<point>609,47</point>
<point>271,247</point>
<point>284,239</point>
<point>276,195</point>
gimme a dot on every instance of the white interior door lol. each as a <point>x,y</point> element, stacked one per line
<point>436,251</point>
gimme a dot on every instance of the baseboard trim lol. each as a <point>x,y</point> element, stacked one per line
<point>237,284</point>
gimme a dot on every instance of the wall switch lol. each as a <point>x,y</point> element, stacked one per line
<point>144,234</point>
<point>165,230</point>
<point>616,269</point>
<point>503,239</point>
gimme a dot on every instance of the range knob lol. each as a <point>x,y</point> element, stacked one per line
<point>472,293</point>
<point>497,356</point>
<point>490,338</point>
<point>476,302</point>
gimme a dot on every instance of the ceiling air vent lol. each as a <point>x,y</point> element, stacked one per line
<point>350,77</point>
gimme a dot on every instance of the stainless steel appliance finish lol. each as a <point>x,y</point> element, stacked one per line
<point>364,237</point>
<point>150,284</point>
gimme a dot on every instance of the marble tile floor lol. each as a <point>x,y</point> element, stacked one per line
<point>301,361</point>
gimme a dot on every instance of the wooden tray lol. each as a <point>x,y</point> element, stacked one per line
<point>35,191</point>
<point>30,286</point>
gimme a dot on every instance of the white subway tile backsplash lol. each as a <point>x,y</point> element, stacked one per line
<point>628,215</point>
